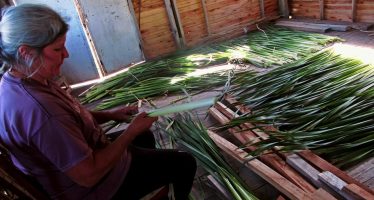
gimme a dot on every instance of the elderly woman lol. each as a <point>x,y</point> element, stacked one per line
<point>55,140</point>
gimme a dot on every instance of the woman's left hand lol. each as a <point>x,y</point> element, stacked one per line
<point>123,114</point>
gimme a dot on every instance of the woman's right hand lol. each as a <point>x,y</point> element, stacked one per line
<point>140,123</point>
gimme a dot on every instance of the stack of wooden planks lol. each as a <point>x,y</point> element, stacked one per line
<point>302,175</point>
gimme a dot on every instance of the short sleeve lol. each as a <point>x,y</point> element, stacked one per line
<point>61,141</point>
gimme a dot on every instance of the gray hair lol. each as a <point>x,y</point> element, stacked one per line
<point>28,24</point>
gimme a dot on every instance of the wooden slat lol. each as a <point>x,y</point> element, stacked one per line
<point>278,181</point>
<point>357,193</point>
<point>323,165</point>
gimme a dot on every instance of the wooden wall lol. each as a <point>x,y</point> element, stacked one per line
<point>201,21</point>
<point>337,10</point>
<point>154,27</point>
<point>304,8</point>
<point>365,11</point>
<point>271,8</point>
<point>192,19</point>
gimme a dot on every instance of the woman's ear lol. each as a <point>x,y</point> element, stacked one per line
<point>26,51</point>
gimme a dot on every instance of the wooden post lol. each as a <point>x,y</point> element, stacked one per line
<point>172,23</point>
<point>179,23</point>
<point>203,4</point>
<point>262,8</point>
<point>354,10</point>
<point>321,9</point>
<point>283,8</point>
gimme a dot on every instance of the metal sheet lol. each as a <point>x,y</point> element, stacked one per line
<point>113,31</point>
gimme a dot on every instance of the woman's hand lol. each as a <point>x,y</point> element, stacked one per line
<point>140,124</point>
<point>123,114</point>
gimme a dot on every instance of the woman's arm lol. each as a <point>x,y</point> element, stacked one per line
<point>89,171</point>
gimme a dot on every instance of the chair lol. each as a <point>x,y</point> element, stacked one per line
<point>16,185</point>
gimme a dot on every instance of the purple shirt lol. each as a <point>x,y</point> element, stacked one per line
<point>47,132</point>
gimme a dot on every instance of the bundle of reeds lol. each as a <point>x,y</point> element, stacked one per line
<point>192,135</point>
<point>324,102</point>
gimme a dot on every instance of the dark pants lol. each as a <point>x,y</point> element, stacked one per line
<point>153,168</point>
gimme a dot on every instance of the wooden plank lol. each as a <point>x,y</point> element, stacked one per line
<point>322,194</point>
<point>354,10</point>
<point>321,9</point>
<point>203,3</point>
<point>172,24</point>
<point>357,193</point>
<point>278,181</point>
<point>304,168</point>
<point>323,165</point>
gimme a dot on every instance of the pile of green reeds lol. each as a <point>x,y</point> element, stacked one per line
<point>324,102</point>
<point>157,86</point>
<point>275,46</point>
<point>192,135</point>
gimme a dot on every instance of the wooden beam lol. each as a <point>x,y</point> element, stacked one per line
<point>354,10</point>
<point>133,15</point>
<point>271,176</point>
<point>173,24</point>
<point>179,22</point>
<point>323,165</point>
<point>203,4</point>
<point>321,9</point>
<point>262,8</point>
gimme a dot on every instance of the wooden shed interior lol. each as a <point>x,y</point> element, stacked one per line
<point>284,67</point>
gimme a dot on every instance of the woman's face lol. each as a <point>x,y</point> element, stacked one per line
<point>53,56</point>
